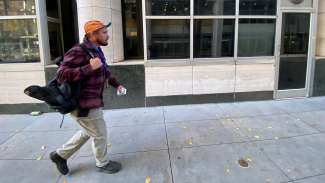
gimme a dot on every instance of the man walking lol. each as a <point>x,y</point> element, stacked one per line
<point>78,65</point>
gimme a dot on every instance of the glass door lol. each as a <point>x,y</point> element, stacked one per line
<point>132,27</point>
<point>294,55</point>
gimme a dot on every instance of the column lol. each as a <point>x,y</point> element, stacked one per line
<point>321,30</point>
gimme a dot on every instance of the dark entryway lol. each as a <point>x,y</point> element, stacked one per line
<point>62,26</point>
<point>132,29</point>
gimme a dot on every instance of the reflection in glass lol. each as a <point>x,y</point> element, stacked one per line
<point>214,7</point>
<point>214,38</point>
<point>52,8</point>
<point>168,39</point>
<point>55,40</point>
<point>17,7</point>
<point>133,42</point>
<point>256,37</point>
<point>19,41</point>
<point>296,33</point>
<point>257,7</point>
<point>168,7</point>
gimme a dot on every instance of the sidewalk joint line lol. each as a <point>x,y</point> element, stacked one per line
<point>169,156</point>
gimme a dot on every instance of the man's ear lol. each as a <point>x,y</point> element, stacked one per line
<point>95,35</point>
<point>92,36</point>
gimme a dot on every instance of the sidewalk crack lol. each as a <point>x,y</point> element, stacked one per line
<point>169,156</point>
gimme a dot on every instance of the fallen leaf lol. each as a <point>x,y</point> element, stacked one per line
<point>65,181</point>
<point>109,145</point>
<point>257,137</point>
<point>228,119</point>
<point>248,159</point>
<point>190,141</point>
<point>148,180</point>
<point>39,158</point>
<point>227,170</point>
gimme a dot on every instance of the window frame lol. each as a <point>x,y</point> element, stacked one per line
<point>193,17</point>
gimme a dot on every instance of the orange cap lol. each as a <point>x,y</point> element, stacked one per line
<point>94,25</point>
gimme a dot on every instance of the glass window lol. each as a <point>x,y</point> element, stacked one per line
<point>168,39</point>
<point>257,7</point>
<point>19,41</point>
<point>52,8</point>
<point>214,7</point>
<point>214,38</point>
<point>256,37</point>
<point>17,7</point>
<point>55,39</point>
<point>295,33</point>
<point>168,7</point>
<point>132,17</point>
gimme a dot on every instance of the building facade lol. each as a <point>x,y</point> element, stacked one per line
<point>169,52</point>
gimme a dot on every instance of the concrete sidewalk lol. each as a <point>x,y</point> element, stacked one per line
<point>281,141</point>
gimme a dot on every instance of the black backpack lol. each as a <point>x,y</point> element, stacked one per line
<point>61,97</point>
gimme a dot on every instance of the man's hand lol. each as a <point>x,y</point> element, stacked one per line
<point>95,63</point>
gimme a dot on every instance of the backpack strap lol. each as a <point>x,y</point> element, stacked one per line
<point>87,50</point>
<point>62,120</point>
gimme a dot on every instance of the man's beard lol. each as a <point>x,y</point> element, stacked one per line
<point>103,43</point>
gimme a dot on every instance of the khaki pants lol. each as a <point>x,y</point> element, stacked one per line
<point>92,126</point>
